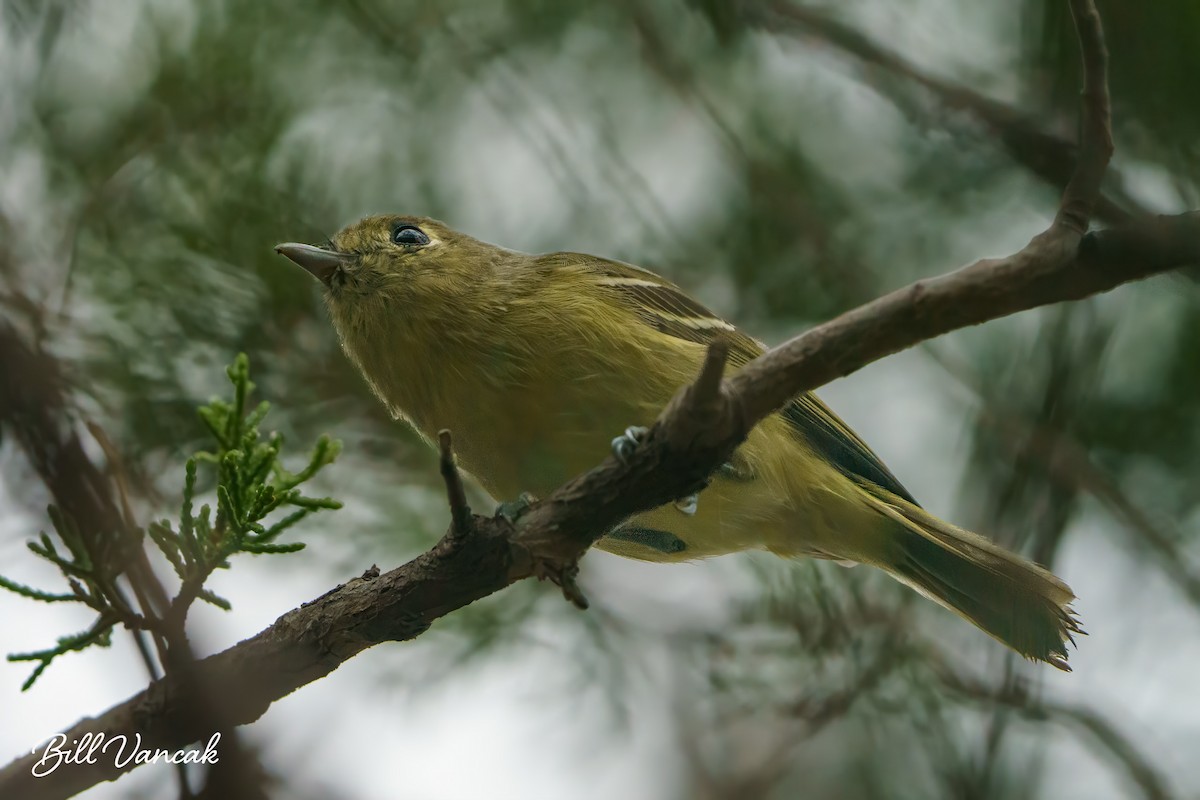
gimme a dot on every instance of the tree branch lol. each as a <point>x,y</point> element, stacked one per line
<point>695,434</point>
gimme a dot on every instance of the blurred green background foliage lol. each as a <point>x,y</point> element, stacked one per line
<point>782,161</point>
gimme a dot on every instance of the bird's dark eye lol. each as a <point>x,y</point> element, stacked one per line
<point>409,234</point>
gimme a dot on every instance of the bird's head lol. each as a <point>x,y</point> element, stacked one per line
<point>399,258</point>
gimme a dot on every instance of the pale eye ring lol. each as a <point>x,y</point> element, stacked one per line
<point>409,234</point>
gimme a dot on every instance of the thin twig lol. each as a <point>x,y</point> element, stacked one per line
<point>707,387</point>
<point>460,512</point>
<point>1096,143</point>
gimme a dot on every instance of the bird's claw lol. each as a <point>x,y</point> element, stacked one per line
<point>624,445</point>
<point>688,505</point>
<point>732,472</point>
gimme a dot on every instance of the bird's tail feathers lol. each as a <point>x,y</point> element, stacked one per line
<point>1014,600</point>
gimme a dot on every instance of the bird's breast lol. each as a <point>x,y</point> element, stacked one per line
<point>528,409</point>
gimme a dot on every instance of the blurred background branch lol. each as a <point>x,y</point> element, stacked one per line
<point>33,409</point>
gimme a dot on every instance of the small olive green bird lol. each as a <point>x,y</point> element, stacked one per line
<point>535,361</point>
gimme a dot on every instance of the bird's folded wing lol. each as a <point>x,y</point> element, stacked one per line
<point>665,307</point>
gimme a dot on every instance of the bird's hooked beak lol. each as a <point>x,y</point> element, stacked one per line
<point>321,263</point>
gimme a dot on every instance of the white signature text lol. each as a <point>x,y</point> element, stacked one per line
<point>90,747</point>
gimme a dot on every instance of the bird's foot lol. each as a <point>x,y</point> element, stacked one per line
<point>688,505</point>
<point>624,445</point>
<point>513,509</point>
<point>731,472</point>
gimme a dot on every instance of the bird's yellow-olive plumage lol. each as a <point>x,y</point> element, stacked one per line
<point>535,362</point>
